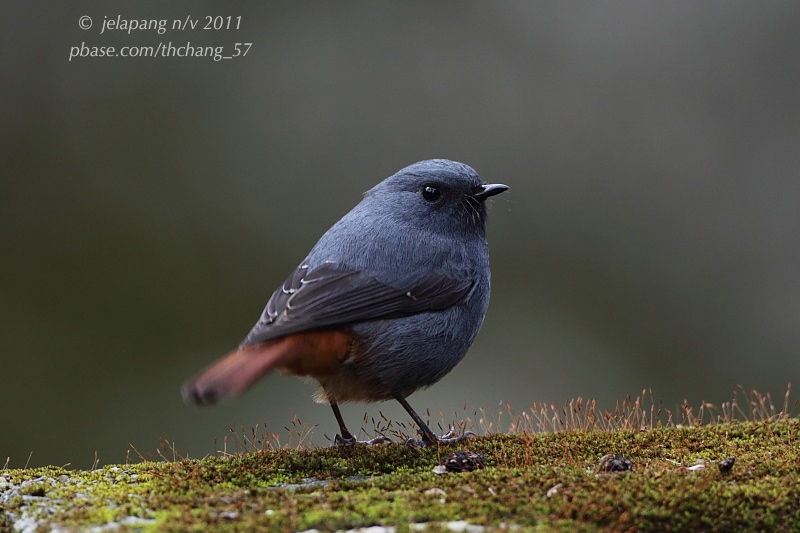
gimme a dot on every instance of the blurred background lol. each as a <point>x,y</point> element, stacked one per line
<point>150,206</point>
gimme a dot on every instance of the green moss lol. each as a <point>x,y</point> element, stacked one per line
<point>538,482</point>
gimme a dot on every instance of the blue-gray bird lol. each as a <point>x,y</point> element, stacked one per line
<point>387,302</point>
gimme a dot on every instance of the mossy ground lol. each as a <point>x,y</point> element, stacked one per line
<point>532,481</point>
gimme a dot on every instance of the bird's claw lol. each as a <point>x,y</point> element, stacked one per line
<point>338,440</point>
<point>451,437</point>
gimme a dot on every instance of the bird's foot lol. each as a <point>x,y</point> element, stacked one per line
<point>450,437</point>
<point>350,440</point>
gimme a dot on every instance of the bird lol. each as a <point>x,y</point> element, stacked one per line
<point>387,302</point>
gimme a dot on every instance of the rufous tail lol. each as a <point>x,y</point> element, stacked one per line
<point>230,375</point>
<point>312,353</point>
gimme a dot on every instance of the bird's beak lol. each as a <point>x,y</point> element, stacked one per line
<point>489,189</point>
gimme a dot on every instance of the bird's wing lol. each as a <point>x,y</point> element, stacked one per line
<point>330,295</point>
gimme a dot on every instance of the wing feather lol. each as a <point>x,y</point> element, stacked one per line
<point>329,296</point>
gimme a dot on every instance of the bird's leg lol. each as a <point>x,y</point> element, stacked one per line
<point>428,436</point>
<point>346,438</point>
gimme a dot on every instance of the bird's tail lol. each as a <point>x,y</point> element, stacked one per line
<point>314,353</point>
<point>230,375</point>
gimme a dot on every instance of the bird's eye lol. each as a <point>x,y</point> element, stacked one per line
<point>431,193</point>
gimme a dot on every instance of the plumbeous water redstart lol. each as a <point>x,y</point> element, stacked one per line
<point>387,302</point>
